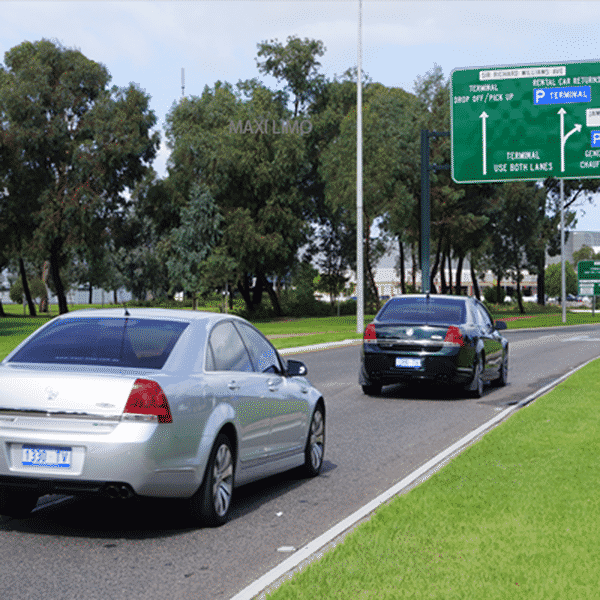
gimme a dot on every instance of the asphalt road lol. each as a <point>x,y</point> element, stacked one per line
<point>110,550</point>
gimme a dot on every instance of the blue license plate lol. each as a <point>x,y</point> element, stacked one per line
<point>46,456</point>
<point>408,363</point>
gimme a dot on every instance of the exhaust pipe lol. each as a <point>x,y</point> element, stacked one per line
<point>118,491</point>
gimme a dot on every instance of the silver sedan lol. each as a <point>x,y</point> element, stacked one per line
<point>152,402</point>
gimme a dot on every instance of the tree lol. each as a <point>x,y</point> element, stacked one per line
<point>224,140</point>
<point>514,226</point>
<point>554,279</point>
<point>192,242</point>
<point>391,122</point>
<point>296,64</point>
<point>74,147</point>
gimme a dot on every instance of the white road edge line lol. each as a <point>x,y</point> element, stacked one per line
<point>311,550</point>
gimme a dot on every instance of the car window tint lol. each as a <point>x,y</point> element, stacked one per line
<point>262,353</point>
<point>430,310</point>
<point>121,342</point>
<point>228,350</point>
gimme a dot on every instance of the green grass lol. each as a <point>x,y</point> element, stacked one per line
<point>516,515</point>
<point>291,332</point>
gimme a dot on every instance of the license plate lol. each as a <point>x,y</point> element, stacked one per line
<point>408,363</point>
<point>46,456</point>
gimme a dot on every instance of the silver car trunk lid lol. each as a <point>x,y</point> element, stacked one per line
<point>30,392</point>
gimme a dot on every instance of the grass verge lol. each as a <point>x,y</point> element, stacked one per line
<point>516,515</point>
<point>289,333</point>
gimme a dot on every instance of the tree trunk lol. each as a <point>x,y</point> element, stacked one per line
<point>272,295</point>
<point>443,274</point>
<point>91,294</point>
<point>244,290</point>
<point>2,313</point>
<point>55,270</point>
<point>26,290</point>
<point>475,282</point>
<point>519,298</point>
<point>459,268</point>
<point>402,273</point>
<point>437,261</point>
<point>541,280</point>
<point>499,295</point>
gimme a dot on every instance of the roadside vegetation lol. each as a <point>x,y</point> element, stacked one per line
<point>515,515</point>
<point>290,332</point>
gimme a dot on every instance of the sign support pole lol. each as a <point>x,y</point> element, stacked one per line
<point>360,278</point>
<point>562,252</point>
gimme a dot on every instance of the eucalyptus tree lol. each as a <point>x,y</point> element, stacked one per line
<point>515,224</point>
<point>391,124</point>
<point>74,145</point>
<point>242,144</point>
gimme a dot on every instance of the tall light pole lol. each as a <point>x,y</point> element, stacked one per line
<point>360,302</point>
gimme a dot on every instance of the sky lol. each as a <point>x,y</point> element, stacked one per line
<point>149,42</point>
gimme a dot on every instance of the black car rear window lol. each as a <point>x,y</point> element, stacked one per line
<point>115,342</point>
<point>432,310</point>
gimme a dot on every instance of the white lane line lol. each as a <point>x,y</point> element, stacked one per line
<point>314,549</point>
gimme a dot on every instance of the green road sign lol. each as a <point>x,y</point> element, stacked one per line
<point>588,277</point>
<point>525,122</point>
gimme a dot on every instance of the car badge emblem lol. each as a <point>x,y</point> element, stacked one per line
<point>51,394</point>
<point>410,331</point>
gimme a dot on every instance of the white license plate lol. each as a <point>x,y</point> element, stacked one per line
<point>46,456</point>
<point>408,363</point>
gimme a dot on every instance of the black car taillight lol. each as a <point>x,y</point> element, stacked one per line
<point>454,336</point>
<point>370,335</point>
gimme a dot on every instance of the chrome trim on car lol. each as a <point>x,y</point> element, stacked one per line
<point>7,414</point>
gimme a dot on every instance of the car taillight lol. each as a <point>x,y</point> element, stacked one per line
<point>370,332</point>
<point>147,402</point>
<point>454,336</point>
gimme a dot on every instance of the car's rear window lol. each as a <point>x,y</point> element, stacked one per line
<point>432,310</point>
<point>120,342</point>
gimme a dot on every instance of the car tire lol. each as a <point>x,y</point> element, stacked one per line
<point>210,505</point>
<point>315,444</point>
<point>475,388</point>
<point>502,378</point>
<point>17,504</point>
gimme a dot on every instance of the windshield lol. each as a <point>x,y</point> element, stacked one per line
<point>120,342</point>
<point>433,311</point>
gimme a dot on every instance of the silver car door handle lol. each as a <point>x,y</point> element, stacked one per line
<point>273,384</point>
<point>233,385</point>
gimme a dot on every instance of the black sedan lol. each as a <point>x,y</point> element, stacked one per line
<point>444,339</point>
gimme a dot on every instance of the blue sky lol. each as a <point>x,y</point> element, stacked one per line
<point>148,42</point>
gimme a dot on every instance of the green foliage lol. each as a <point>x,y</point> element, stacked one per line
<point>585,253</point>
<point>295,63</point>
<point>73,147</point>
<point>554,278</point>
<point>36,288</point>
<point>192,242</point>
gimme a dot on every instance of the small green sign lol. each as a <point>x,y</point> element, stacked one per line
<point>588,277</point>
<point>525,122</point>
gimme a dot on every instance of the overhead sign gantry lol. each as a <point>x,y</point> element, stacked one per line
<point>525,122</point>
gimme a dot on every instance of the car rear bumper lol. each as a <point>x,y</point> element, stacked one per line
<point>380,368</point>
<point>132,457</point>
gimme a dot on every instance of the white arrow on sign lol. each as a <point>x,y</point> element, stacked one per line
<point>483,116</point>
<point>563,138</point>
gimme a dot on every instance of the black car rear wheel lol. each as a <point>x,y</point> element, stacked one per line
<point>475,388</point>
<point>502,378</point>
